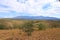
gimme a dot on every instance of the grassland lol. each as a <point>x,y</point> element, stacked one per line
<point>29,29</point>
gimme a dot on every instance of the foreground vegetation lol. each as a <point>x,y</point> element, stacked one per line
<point>16,34</point>
<point>29,29</point>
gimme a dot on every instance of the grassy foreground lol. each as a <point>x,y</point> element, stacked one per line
<point>16,34</point>
<point>29,29</point>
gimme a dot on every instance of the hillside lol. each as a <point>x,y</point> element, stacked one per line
<point>13,23</point>
<point>11,29</point>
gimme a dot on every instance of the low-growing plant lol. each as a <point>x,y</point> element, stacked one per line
<point>2,26</point>
<point>41,26</point>
<point>28,28</point>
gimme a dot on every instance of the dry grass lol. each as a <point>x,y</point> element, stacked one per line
<point>16,34</point>
<point>52,31</point>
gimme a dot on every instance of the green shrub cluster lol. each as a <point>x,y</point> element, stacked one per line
<point>28,28</point>
<point>41,26</point>
<point>2,26</point>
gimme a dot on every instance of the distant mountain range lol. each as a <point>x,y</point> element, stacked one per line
<point>35,18</point>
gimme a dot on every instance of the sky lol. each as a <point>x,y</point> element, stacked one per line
<point>13,8</point>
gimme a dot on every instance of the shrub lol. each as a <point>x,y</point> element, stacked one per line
<point>2,26</point>
<point>41,27</point>
<point>28,28</point>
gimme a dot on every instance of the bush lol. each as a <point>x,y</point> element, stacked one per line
<point>28,28</point>
<point>2,26</point>
<point>41,27</point>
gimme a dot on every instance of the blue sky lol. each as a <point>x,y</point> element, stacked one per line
<point>12,8</point>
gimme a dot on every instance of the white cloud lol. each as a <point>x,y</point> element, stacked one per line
<point>33,7</point>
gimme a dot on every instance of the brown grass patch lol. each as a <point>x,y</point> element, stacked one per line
<point>16,34</point>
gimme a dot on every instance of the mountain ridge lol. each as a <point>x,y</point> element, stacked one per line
<point>36,18</point>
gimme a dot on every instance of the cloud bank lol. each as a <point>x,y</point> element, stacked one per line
<point>30,7</point>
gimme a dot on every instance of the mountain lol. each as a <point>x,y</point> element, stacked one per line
<point>35,18</point>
